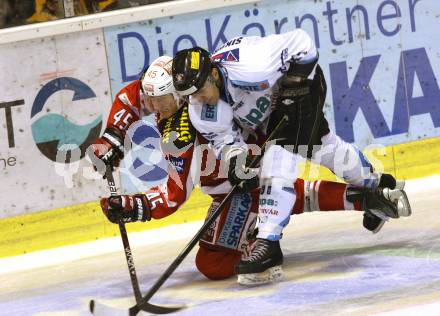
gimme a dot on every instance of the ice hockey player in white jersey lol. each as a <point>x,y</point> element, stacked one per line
<point>248,84</point>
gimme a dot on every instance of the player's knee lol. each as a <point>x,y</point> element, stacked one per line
<point>216,264</point>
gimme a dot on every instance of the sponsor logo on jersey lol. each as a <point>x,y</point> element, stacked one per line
<point>230,55</point>
<point>234,41</point>
<point>178,163</point>
<point>256,114</point>
<point>209,113</point>
<point>179,125</point>
<point>250,86</point>
<point>235,221</point>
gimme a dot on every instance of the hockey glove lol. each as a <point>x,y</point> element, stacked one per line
<point>293,89</point>
<point>128,208</point>
<point>109,148</point>
<point>294,86</point>
<point>239,173</point>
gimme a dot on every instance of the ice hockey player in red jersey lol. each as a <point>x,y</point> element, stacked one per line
<point>227,241</point>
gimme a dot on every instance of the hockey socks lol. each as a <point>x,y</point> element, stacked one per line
<point>277,199</point>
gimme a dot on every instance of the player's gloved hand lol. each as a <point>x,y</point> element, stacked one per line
<point>292,89</point>
<point>294,86</point>
<point>128,208</point>
<point>109,148</point>
<point>246,178</point>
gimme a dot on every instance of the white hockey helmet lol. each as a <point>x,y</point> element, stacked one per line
<point>157,79</point>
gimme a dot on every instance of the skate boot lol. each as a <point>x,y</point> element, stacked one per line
<point>381,204</point>
<point>378,214</point>
<point>263,265</point>
<point>373,222</point>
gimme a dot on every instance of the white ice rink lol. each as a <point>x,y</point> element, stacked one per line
<point>333,266</point>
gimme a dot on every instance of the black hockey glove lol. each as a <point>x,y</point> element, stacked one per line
<point>294,86</point>
<point>246,178</point>
<point>293,89</point>
<point>128,208</point>
<point>109,149</point>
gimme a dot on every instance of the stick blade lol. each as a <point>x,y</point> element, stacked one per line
<point>154,309</point>
<point>100,309</point>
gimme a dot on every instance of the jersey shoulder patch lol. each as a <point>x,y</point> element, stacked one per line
<point>229,55</point>
<point>123,97</point>
<point>130,96</point>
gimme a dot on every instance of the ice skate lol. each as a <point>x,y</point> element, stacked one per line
<point>389,200</point>
<point>389,203</point>
<point>392,190</point>
<point>263,265</point>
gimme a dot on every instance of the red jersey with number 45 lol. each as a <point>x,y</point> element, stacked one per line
<point>127,107</point>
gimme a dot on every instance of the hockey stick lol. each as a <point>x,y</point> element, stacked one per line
<point>143,304</point>
<point>130,263</point>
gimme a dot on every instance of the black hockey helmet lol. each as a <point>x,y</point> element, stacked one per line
<point>191,67</point>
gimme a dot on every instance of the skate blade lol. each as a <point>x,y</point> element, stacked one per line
<point>392,195</point>
<point>379,227</point>
<point>403,206</point>
<point>274,274</point>
<point>380,214</point>
<point>400,185</point>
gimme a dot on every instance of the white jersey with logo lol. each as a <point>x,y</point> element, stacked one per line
<point>250,67</point>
